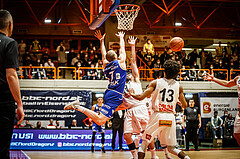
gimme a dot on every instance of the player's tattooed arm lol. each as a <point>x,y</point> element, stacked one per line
<point>135,74</point>
<point>103,49</point>
<point>224,83</point>
<point>146,93</point>
<point>182,97</point>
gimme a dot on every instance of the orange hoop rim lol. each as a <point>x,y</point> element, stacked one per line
<point>129,5</point>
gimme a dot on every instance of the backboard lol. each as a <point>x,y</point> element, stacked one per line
<point>100,10</point>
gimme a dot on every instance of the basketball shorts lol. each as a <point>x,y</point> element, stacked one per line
<point>237,124</point>
<point>164,125</point>
<point>100,129</point>
<point>136,120</point>
<point>112,100</point>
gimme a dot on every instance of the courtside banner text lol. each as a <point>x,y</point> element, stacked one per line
<point>210,104</point>
<point>47,104</point>
<point>33,139</point>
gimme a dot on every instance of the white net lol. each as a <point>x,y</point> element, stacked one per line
<point>126,14</point>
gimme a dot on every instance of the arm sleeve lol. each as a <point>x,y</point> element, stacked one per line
<point>198,111</point>
<point>212,123</point>
<point>220,121</point>
<point>11,60</point>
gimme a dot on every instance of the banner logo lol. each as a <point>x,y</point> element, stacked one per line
<point>206,107</point>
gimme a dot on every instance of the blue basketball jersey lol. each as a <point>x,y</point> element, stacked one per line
<point>116,76</point>
<point>97,109</point>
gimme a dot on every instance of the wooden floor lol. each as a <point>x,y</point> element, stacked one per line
<point>204,154</point>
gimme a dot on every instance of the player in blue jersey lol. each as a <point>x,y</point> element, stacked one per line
<point>115,70</point>
<point>100,128</point>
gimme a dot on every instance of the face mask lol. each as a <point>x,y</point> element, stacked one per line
<point>38,61</point>
<point>79,65</point>
<point>92,66</point>
<point>89,63</point>
<point>211,67</point>
<point>158,62</point>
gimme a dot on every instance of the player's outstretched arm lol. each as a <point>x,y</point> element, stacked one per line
<point>146,93</point>
<point>122,53</point>
<point>182,97</point>
<point>103,49</point>
<point>135,74</point>
<point>224,83</point>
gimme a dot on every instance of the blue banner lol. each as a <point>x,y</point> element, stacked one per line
<point>45,105</point>
<point>33,139</point>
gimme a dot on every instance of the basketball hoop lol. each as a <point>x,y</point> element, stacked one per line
<point>126,14</point>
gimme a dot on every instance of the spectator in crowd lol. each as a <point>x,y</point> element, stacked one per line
<point>92,73</point>
<point>58,125</point>
<point>164,56</point>
<point>62,57</point>
<point>117,126</point>
<point>158,73</point>
<point>229,124</point>
<point>88,122</point>
<point>226,61</point>
<point>91,55</point>
<point>101,74</point>
<point>209,59</point>
<point>236,49</point>
<point>51,125</point>
<point>156,57</point>
<point>85,61</point>
<point>70,56</point>
<point>192,74</point>
<point>225,116</point>
<point>219,50</point>
<point>79,72</point>
<point>39,125</point>
<point>41,72</point>
<point>228,49</point>
<point>48,70</point>
<point>95,59</point>
<point>28,125</point>
<point>74,124</point>
<point>193,123</point>
<point>27,59</point>
<point>195,65</point>
<point>148,47</point>
<point>35,46</point>
<point>45,57</point>
<point>216,123</point>
<point>75,60</point>
<point>91,47</point>
<point>21,49</point>
<point>183,58</point>
<point>235,60</point>
<point>46,48</point>
<point>148,57</point>
<point>193,57</point>
<point>184,74</point>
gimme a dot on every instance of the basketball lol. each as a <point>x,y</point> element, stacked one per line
<point>176,44</point>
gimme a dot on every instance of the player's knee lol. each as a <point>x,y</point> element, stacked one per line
<point>173,150</point>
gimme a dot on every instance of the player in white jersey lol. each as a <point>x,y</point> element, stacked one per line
<point>137,115</point>
<point>231,83</point>
<point>166,93</point>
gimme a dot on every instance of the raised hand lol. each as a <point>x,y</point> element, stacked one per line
<point>132,40</point>
<point>120,34</point>
<point>99,35</point>
<point>208,77</point>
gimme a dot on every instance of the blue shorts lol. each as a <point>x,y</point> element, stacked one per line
<point>112,101</point>
<point>100,129</point>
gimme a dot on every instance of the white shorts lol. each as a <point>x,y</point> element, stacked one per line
<point>136,120</point>
<point>166,130</point>
<point>237,124</point>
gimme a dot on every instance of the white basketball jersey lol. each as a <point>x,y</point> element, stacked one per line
<point>130,101</point>
<point>166,95</point>
<point>238,87</point>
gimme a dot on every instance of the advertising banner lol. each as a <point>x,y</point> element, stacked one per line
<point>210,104</point>
<point>47,104</point>
<point>33,139</point>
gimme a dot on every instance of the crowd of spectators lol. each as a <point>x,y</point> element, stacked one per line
<point>227,57</point>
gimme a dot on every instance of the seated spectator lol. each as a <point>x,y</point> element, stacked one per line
<point>88,122</point>
<point>70,56</point>
<point>235,59</point>
<point>91,47</point>
<point>51,125</point>
<point>41,72</point>
<point>79,72</point>
<point>91,55</point>
<point>226,61</point>
<point>58,125</point>
<point>184,74</point>
<point>157,73</point>
<point>148,47</point>
<point>39,125</point>
<point>100,72</point>
<point>74,124</point>
<point>148,57</point>
<point>195,65</point>
<point>75,60</point>
<point>46,48</point>
<point>27,125</point>
<point>192,74</point>
<point>45,57</point>
<point>229,124</point>
<point>49,71</point>
<point>216,123</point>
<point>92,73</point>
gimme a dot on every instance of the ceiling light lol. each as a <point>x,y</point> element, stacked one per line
<point>178,24</point>
<point>47,20</point>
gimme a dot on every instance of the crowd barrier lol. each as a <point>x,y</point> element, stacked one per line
<point>146,74</point>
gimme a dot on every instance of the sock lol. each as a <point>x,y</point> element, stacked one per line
<point>103,139</point>
<point>153,154</point>
<point>132,146</point>
<point>166,153</point>
<point>134,154</point>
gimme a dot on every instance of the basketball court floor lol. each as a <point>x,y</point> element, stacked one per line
<point>203,154</point>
